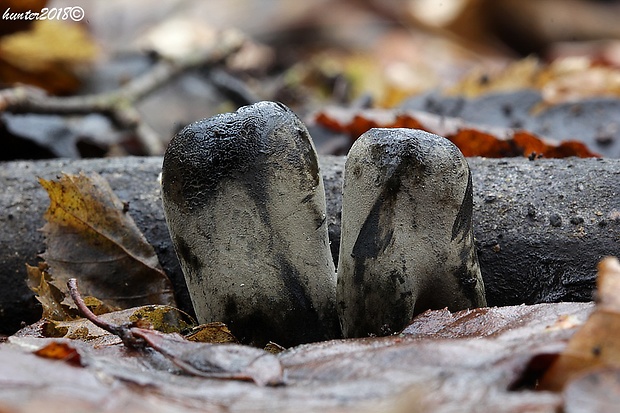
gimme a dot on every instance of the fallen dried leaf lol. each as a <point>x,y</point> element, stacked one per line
<point>596,343</point>
<point>215,332</point>
<point>274,348</point>
<point>178,38</point>
<point>46,55</point>
<point>439,373</point>
<point>472,140</point>
<point>50,297</point>
<point>218,361</point>
<point>564,80</point>
<point>608,285</point>
<point>159,317</point>
<point>58,350</point>
<point>90,237</point>
<point>518,75</point>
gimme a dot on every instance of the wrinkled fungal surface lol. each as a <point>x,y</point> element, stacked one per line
<point>406,237</point>
<point>245,206</point>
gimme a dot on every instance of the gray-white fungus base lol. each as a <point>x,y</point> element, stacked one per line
<point>245,206</point>
<point>406,239</point>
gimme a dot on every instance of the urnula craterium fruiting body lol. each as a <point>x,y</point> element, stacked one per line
<point>245,206</point>
<point>406,242</point>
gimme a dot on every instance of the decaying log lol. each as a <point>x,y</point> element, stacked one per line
<point>540,226</point>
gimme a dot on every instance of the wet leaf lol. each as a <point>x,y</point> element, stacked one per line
<point>90,237</point>
<point>472,140</point>
<point>159,317</point>
<point>498,322</point>
<point>220,361</point>
<point>465,361</point>
<point>46,55</point>
<point>596,343</point>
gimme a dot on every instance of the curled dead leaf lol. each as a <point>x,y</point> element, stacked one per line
<point>90,236</point>
<point>50,297</point>
<point>274,348</point>
<point>219,361</point>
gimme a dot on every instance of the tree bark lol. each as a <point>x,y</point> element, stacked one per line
<point>540,226</point>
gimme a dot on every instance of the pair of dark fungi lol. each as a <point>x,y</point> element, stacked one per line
<point>245,206</point>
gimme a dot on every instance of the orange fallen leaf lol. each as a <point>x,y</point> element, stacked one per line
<point>470,139</point>
<point>90,236</point>
<point>473,142</point>
<point>57,350</point>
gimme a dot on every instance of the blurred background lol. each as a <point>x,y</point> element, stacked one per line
<point>551,67</point>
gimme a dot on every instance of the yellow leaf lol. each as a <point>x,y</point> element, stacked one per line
<point>46,55</point>
<point>212,333</point>
<point>522,74</point>
<point>50,297</point>
<point>90,237</point>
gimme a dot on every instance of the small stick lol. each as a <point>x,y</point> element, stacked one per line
<point>123,330</point>
<point>119,104</point>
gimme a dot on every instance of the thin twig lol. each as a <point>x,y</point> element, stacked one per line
<point>123,330</point>
<point>119,104</point>
<point>140,338</point>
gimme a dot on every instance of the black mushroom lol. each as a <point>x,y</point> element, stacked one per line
<point>245,205</point>
<point>406,241</point>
